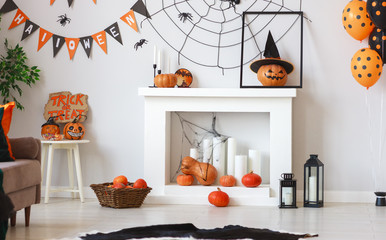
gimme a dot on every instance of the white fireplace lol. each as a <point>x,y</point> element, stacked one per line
<point>160,103</point>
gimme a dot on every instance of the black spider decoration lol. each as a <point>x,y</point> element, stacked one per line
<point>184,16</point>
<point>63,19</point>
<point>232,3</point>
<point>140,43</point>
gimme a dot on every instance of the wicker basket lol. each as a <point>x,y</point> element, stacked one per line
<point>119,198</point>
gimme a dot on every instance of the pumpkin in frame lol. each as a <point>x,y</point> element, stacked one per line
<point>184,78</point>
<point>272,75</point>
<point>74,130</point>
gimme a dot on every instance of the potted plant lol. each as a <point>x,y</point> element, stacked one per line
<point>14,71</point>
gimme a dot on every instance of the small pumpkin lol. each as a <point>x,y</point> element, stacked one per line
<point>184,78</point>
<point>74,130</point>
<point>227,181</point>
<point>205,173</point>
<point>218,198</point>
<point>140,183</point>
<point>251,180</point>
<point>165,80</point>
<point>185,180</point>
<point>50,127</point>
<point>272,75</point>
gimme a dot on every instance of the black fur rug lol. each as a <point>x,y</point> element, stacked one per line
<point>190,231</point>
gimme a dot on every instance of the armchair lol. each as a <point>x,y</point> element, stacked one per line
<point>22,177</point>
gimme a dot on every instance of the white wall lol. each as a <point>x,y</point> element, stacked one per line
<point>331,117</point>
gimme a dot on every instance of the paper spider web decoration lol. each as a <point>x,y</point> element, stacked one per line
<point>214,27</point>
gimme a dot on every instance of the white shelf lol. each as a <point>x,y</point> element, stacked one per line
<point>217,92</point>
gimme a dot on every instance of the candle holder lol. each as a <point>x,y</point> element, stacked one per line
<point>155,69</point>
<point>381,199</point>
<point>313,182</point>
<point>287,191</point>
<point>159,71</point>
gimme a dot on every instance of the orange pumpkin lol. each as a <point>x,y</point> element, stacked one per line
<point>227,181</point>
<point>165,80</point>
<point>50,127</point>
<point>140,183</point>
<point>218,198</point>
<point>251,180</point>
<point>205,173</point>
<point>272,75</point>
<point>185,180</point>
<point>184,77</point>
<point>120,179</point>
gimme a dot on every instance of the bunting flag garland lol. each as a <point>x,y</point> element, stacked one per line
<point>69,2</point>
<point>72,43</point>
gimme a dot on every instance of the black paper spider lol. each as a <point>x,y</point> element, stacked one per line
<point>184,16</point>
<point>63,19</point>
<point>140,43</point>
<point>232,3</point>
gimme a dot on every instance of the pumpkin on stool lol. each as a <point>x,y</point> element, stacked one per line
<point>50,130</point>
<point>272,71</point>
<point>74,130</point>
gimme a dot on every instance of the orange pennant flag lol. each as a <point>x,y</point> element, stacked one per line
<point>94,1</point>
<point>19,18</point>
<point>129,18</point>
<point>100,39</point>
<point>72,44</point>
<point>44,36</point>
<point>52,1</point>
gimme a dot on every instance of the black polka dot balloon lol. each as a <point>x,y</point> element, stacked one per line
<point>366,67</point>
<point>377,11</point>
<point>356,21</point>
<point>377,42</point>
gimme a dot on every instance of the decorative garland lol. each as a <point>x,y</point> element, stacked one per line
<point>69,2</point>
<point>72,43</point>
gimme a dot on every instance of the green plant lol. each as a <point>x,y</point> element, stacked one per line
<point>13,71</point>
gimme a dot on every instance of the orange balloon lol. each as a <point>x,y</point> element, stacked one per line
<point>356,20</point>
<point>366,67</point>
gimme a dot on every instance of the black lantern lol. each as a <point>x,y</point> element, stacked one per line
<point>313,182</point>
<point>287,191</point>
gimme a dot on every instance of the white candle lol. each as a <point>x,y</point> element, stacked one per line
<point>254,161</point>
<point>312,188</point>
<point>288,199</point>
<point>219,156</point>
<point>240,168</point>
<point>155,55</point>
<point>168,64</point>
<point>207,150</point>
<point>194,153</point>
<point>159,60</point>
<point>231,156</point>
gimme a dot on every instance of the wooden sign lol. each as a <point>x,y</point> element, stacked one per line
<point>66,106</point>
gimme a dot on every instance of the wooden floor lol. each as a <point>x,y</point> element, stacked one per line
<point>64,218</point>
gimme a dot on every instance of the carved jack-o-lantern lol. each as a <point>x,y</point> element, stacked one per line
<point>50,130</point>
<point>272,75</point>
<point>74,130</point>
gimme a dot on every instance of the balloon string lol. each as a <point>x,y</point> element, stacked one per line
<point>380,134</point>
<point>371,139</point>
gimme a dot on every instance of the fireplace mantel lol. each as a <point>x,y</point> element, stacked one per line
<point>161,102</point>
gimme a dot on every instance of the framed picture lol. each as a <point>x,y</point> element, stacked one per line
<point>266,38</point>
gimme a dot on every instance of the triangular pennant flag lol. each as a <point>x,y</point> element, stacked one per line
<point>57,42</point>
<point>70,2</point>
<point>52,1</point>
<point>129,18</point>
<point>44,36</point>
<point>8,6</point>
<point>100,39</point>
<point>72,44</point>
<point>113,31</point>
<point>29,28</point>
<point>140,8</point>
<point>87,44</point>
<point>94,1</point>
<point>19,18</point>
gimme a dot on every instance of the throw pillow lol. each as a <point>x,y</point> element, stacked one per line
<point>5,119</point>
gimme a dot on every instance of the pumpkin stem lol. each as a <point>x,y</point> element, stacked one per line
<point>251,172</point>
<point>219,189</point>
<point>77,118</point>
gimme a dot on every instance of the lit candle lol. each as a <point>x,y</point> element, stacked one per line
<point>312,188</point>
<point>240,168</point>
<point>231,156</point>
<point>155,55</point>
<point>194,153</point>
<point>254,161</point>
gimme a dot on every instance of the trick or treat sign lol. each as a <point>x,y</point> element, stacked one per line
<point>66,106</point>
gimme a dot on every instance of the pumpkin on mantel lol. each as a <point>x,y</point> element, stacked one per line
<point>165,80</point>
<point>205,173</point>
<point>272,75</point>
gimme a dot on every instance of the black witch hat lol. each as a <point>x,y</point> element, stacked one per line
<point>272,57</point>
